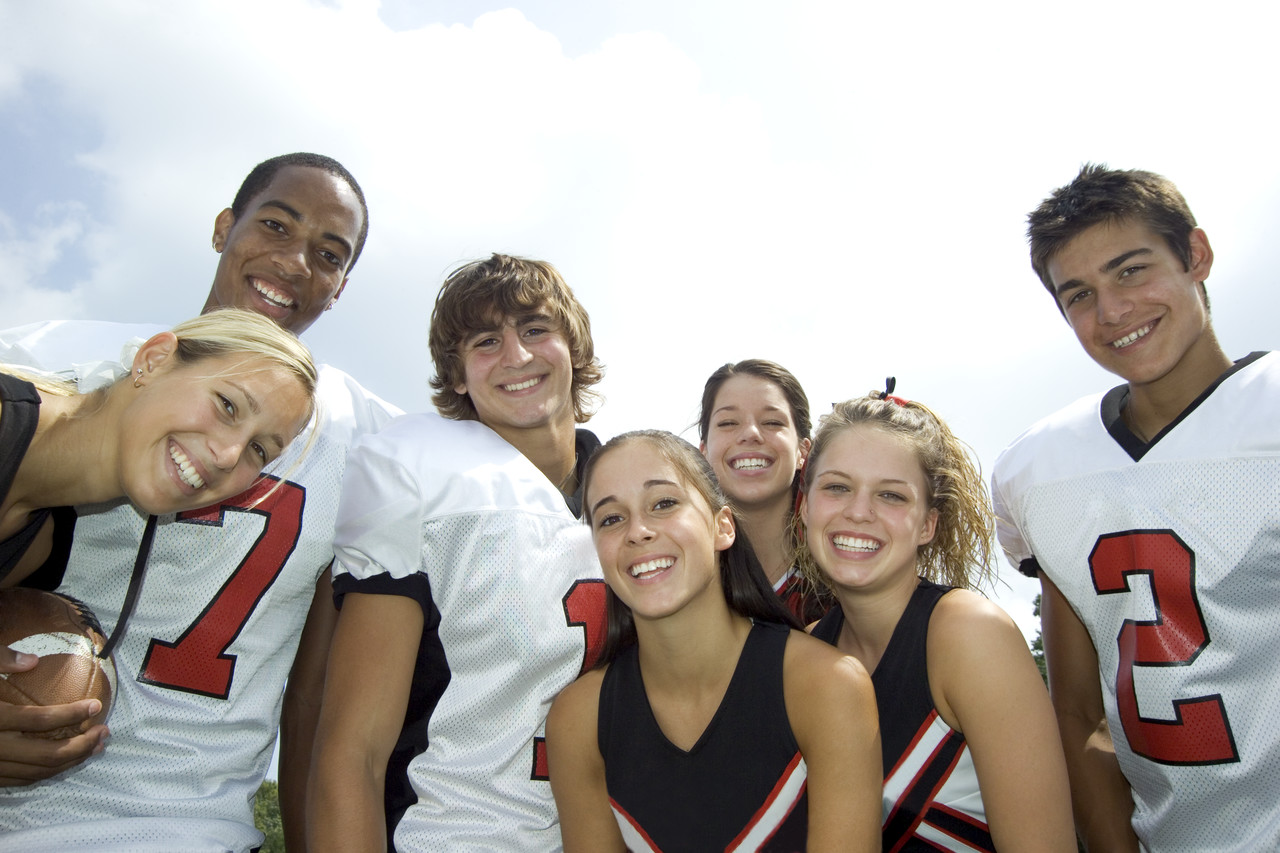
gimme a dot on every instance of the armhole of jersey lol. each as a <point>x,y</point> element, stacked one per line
<point>1030,568</point>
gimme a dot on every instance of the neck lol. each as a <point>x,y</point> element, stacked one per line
<point>767,528</point>
<point>71,458</point>
<point>1152,406</point>
<point>694,647</point>
<point>551,448</point>
<point>871,617</point>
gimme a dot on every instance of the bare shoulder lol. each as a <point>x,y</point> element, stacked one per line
<point>819,671</point>
<point>578,703</point>
<point>977,656</point>
<point>965,623</point>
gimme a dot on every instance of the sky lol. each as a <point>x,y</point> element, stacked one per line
<point>840,187</point>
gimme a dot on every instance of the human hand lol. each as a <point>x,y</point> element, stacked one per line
<point>25,759</point>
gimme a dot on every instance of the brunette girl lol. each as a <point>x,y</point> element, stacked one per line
<point>711,723</point>
<point>754,430</point>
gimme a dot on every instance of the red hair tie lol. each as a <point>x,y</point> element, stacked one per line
<point>891,382</point>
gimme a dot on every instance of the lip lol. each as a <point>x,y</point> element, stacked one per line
<point>653,576</point>
<point>538,380</point>
<point>1138,343</point>
<point>266,306</point>
<point>769,462</point>
<point>175,474</point>
<point>852,554</point>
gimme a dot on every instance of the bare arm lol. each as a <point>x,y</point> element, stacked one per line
<point>366,691</point>
<point>986,685</point>
<point>832,709</point>
<point>1100,794</point>
<point>301,714</point>
<point>587,823</point>
<point>23,759</point>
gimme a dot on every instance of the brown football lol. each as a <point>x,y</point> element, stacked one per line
<point>66,636</point>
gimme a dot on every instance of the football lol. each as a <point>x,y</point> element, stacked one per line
<point>66,636</point>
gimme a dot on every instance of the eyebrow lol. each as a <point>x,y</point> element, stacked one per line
<point>835,472</point>
<point>733,408</point>
<point>648,484</point>
<point>1109,266</point>
<point>298,217</point>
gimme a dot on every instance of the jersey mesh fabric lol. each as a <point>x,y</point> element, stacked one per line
<point>505,561</point>
<point>206,653</point>
<point>1170,563</point>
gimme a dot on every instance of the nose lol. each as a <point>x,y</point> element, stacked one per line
<point>858,507</point>
<point>226,449</point>
<point>750,432</point>
<point>291,259</point>
<point>638,532</point>
<point>514,352</point>
<point>1113,305</point>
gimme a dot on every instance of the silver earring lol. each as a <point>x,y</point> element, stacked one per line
<point>137,382</point>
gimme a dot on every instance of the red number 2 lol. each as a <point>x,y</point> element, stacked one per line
<point>197,662</point>
<point>1200,732</point>
<point>583,608</point>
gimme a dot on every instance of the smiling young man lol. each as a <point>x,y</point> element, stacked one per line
<point>460,559</point>
<point>230,592</point>
<point>1151,514</point>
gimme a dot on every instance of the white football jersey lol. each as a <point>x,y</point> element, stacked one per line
<point>516,589</point>
<point>203,661</point>
<point>1169,553</point>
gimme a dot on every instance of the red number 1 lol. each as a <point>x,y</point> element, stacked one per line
<point>197,662</point>
<point>1200,732</point>
<point>583,608</point>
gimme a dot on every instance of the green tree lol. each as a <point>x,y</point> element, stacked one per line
<point>266,816</point>
<point>1037,645</point>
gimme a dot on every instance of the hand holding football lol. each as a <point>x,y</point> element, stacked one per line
<point>67,638</point>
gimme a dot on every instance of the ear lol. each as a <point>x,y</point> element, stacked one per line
<point>702,448</point>
<point>460,389</point>
<point>805,444</point>
<point>341,288</point>
<point>724,529</point>
<point>930,528</point>
<point>222,228</point>
<point>155,354</point>
<point>1201,255</point>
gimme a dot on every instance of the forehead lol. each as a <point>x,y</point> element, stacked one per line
<point>866,449</point>
<point>1090,250</point>
<point>316,195</point>
<point>748,391</point>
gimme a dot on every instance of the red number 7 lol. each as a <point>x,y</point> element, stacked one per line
<point>197,662</point>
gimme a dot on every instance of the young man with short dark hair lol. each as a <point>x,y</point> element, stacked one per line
<point>1151,514</point>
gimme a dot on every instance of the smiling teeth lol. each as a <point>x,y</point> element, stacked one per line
<point>272,295</point>
<point>851,543</point>
<point>185,468</point>
<point>742,464</point>
<point>520,386</point>
<point>1131,337</point>
<point>651,566</point>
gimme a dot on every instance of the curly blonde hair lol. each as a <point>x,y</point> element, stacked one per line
<point>960,552</point>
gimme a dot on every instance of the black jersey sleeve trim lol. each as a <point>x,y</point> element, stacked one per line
<point>1030,567</point>
<point>415,586</point>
